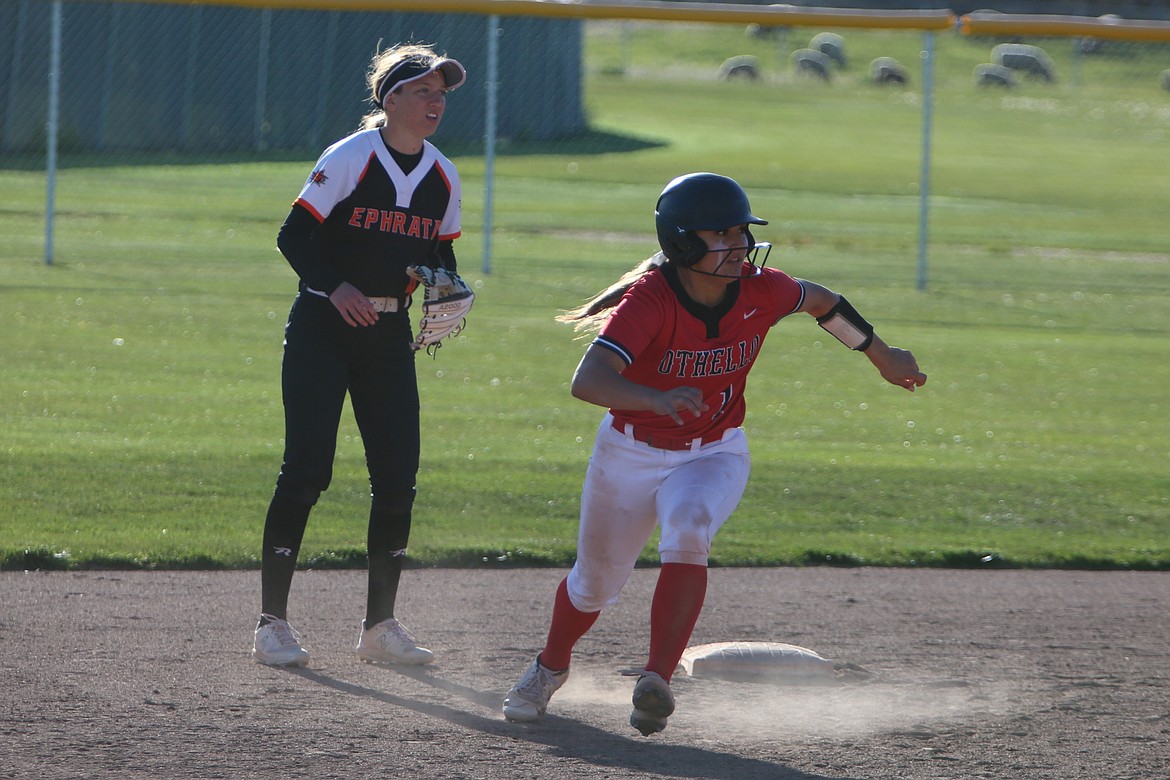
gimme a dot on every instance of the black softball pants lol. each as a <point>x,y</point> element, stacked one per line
<point>324,359</point>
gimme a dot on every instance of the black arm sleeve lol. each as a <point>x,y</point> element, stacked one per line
<point>446,252</point>
<point>299,242</point>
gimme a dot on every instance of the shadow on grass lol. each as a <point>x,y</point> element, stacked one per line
<point>45,558</point>
<point>587,142</point>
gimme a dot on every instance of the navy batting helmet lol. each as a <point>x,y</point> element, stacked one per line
<point>699,201</point>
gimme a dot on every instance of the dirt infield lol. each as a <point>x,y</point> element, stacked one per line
<point>996,674</point>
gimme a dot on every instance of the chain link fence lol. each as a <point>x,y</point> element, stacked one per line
<point>206,79</point>
<point>199,79</point>
<point>140,80</point>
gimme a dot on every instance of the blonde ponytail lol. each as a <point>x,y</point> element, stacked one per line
<point>589,316</point>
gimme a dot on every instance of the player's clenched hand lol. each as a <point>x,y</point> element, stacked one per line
<point>678,401</point>
<point>355,307</point>
<point>897,366</point>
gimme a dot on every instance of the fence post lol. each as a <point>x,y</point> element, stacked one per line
<point>106,93</point>
<point>7,139</point>
<point>51,127</point>
<point>924,176</point>
<point>325,81</point>
<point>189,75</point>
<point>260,132</point>
<point>489,136</point>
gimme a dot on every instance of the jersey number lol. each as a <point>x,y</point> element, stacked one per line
<point>725,397</point>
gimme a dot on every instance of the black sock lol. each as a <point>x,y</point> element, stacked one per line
<point>386,551</point>
<point>284,528</point>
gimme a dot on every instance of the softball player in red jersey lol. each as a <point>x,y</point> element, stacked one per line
<point>678,336</point>
<point>376,202</point>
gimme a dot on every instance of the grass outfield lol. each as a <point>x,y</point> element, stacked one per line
<point>139,375</point>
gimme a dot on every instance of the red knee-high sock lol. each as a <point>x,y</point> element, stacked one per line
<point>568,625</point>
<point>678,599</point>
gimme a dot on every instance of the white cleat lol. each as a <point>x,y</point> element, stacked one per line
<point>528,699</point>
<point>389,642</point>
<point>278,644</point>
<point>653,704</point>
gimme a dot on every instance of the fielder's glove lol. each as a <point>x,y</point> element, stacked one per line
<point>446,301</point>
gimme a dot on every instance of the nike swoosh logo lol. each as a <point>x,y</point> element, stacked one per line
<point>747,314</point>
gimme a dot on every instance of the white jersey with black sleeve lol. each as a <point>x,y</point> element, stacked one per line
<point>377,219</point>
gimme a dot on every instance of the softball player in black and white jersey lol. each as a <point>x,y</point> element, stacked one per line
<point>376,202</point>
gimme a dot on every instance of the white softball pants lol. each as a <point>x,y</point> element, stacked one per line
<point>631,487</point>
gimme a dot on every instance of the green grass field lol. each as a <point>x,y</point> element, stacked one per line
<point>139,374</point>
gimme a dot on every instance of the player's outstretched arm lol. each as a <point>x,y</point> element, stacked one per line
<point>837,316</point>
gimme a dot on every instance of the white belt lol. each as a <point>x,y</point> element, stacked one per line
<point>386,304</point>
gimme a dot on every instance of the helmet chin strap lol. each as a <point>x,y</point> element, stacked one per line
<point>750,257</point>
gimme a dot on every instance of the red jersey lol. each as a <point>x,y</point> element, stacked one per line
<point>667,340</point>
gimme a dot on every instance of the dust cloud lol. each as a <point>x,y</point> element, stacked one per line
<point>787,711</point>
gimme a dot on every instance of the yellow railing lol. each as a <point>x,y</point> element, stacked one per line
<point>1104,27</point>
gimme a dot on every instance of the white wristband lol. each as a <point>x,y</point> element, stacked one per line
<point>846,325</point>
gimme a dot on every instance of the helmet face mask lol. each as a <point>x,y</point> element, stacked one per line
<point>702,201</point>
<point>745,251</point>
